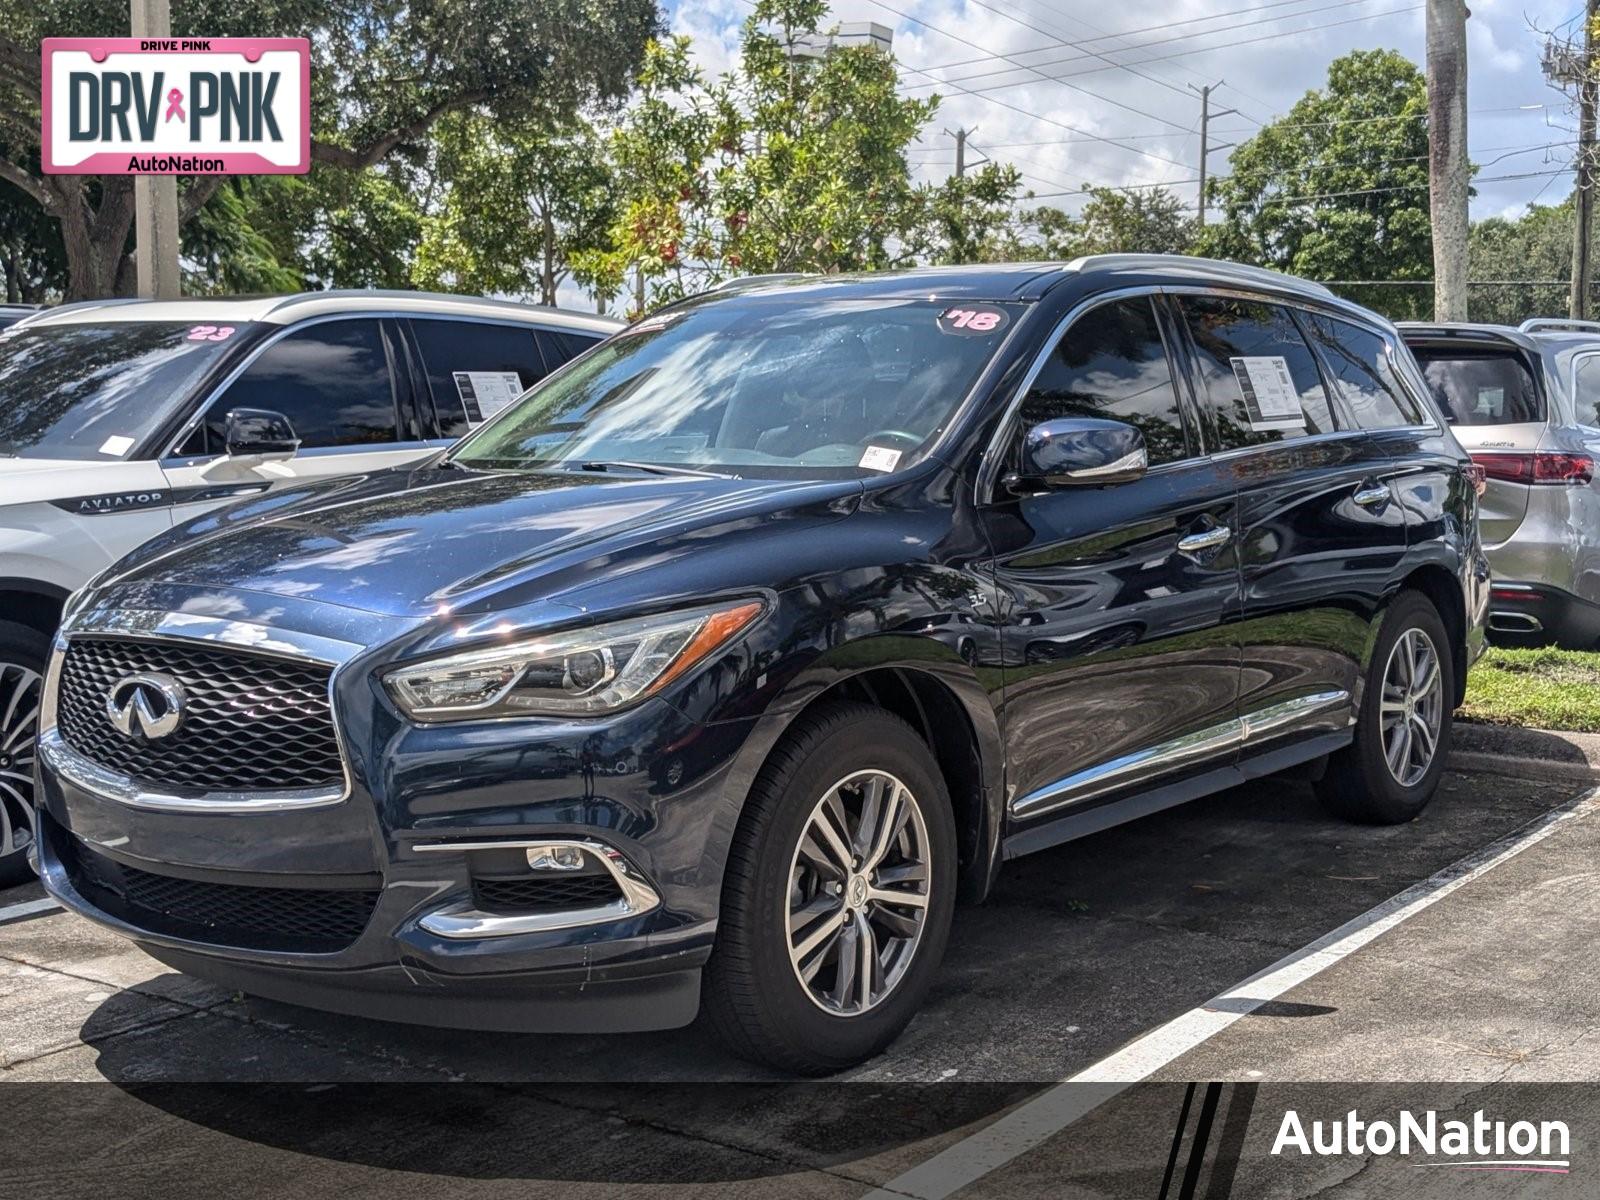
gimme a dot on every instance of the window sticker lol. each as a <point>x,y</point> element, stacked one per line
<point>210,333</point>
<point>973,320</point>
<point>1270,396</point>
<point>116,446</point>
<point>879,458</point>
<point>486,392</point>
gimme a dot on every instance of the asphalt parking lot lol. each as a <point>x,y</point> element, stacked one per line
<point>1105,946</point>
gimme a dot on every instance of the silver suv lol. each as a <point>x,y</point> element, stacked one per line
<point>1525,403</point>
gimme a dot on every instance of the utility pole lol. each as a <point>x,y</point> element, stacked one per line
<point>1206,113</point>
<point>155,197</point>
<point>1447,155</point>
<point>1582,257</point>
<point>961,136</point>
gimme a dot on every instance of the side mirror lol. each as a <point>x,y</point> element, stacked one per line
<point>260,433</point>
<point>1079,452</point>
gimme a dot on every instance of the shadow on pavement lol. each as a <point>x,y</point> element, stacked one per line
<point>1080,949</point>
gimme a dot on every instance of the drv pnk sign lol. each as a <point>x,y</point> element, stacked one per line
<point>177,106</point>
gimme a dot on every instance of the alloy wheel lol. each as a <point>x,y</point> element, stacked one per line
<point>858,893</point>
<point>20,688</point>
<point>1411,708</point>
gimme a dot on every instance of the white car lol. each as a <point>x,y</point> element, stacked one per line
<point>121,418</point>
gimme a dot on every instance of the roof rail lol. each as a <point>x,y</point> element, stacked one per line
<point>741,282</point>
<point>1239,272</point>
<point>289,300</point>
<point>1540,324</point>
<point>43,311</point>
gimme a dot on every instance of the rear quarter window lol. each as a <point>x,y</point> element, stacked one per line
<point>1481,387</point>
<point>1358,359</point>
<point>475,368</point>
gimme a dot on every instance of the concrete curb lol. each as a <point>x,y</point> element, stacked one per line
<point>1520,753</point>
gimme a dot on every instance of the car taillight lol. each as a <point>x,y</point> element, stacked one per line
<point>1562,468</point>
<point>1543,466</point>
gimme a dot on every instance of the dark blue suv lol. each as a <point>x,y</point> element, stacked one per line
<point>709,674</point>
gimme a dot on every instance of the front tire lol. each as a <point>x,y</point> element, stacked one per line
<point>839,892</point>
<point>1390,772</point>
<point>22,657</point>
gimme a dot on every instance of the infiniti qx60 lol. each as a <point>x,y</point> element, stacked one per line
<point>712,671</point>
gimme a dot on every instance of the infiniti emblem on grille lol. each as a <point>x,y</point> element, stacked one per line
<point>146,706</point>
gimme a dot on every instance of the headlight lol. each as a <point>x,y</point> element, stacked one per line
<point>578,671</point>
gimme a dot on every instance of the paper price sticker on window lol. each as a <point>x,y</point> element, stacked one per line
<point>880,458</point>
<point>1270,396</point>
<point>486,392</point>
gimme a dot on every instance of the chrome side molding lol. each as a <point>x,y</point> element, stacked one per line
<point>1177,753</point>
<point>462,920</point>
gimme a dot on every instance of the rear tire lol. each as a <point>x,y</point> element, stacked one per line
<point>817,965</point>
<point>22,657</point>
<point>1390,772</point>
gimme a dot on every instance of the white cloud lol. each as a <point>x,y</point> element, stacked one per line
<point>1267,58</point>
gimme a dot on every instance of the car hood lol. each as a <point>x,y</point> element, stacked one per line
<point>422,542</point>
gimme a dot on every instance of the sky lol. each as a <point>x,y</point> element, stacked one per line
<point>1266,53</point>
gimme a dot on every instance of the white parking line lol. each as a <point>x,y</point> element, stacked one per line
<point>15,912</point>
<point>1038,1120</point>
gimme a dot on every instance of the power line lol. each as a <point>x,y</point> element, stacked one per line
<point>1127,33</point>
<point>1399,187</point>
<point>1043,78</point>
<point>1080,45</point>
<point>1023,111</point>
<point>1129,137</point>
<point>1268,37</point>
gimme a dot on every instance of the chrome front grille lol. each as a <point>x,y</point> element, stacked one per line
<point>253,723</point>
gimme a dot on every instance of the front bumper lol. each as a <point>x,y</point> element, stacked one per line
<point>426,812</point>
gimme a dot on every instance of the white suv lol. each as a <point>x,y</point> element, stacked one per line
<point>121,418</point>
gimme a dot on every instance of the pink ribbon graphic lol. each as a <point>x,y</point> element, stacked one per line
<point>175,105</point>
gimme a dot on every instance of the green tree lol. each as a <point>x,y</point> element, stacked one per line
<point>1114,221</point>
<point>791,162</point>
<point>384,72</point>
<point>1338,187</point>
<point>1535,246</point>
<point>967,218</point>
<point>522,200</point>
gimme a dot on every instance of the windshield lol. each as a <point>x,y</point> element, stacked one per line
<point>95,391</point>
<point>771,386</point>
<point>1481,387</point>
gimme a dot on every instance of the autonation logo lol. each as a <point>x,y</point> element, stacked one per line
<point>1481,1144</point>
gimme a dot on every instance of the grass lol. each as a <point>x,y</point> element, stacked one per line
<point>1544,689</point>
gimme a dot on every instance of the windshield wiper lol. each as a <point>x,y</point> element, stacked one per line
<point>652,469</point>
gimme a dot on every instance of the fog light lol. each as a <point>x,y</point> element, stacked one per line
<point>555,858</point>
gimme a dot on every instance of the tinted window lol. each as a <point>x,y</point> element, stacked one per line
<point>331,380</point>
<point>1481,388</point>
<point>1112,364</point>
<point>1258,378</point>
<point>1360,364</point>
<point>562,346</point>
<point>1586,386</point>
<point>765,386</point>
<point>97,391</point>
<point>475,369</point>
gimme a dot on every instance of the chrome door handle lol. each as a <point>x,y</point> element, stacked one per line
<point>1371,497</point>
<point>1205,540</point>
